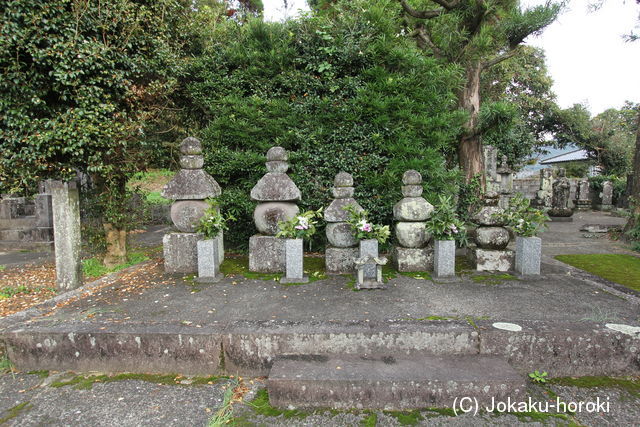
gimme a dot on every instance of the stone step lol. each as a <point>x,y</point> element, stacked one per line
<point>28,235</point>
<point>390,382</point>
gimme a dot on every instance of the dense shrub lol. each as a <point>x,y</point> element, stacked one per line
<point>342,93</point>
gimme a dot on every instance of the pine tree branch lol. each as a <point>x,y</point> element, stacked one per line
<point>424,40</point>
<point>420,14</point>
<point>498,59</point>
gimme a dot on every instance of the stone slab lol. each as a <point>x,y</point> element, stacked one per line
<point>181,252</point>
<point>413,259</point>
<point>491,260</point>
<point>43,211</point>
<point>266,254</point>
<point>390,382</point>
<point>528,254</point>
<point>115,348</point>
<point>68,245</point>
<point>250,348</point>
<point>294,257</point>
<point>563,348</point>
<point>444,258</point>
<point>340,260</point>
<point>208,260</point>
<point>369,248</point>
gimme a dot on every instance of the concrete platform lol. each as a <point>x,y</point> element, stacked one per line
<point>390,382</point>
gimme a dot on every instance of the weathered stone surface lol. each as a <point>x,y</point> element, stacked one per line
<point>413,259</point>
<point>563,349</point>
<point>412,190</point>
<point>277,154</point>
<point>492,237</point>
<point>192,162</point>
<point>411,234</point>
<point>66,229</point>
<point>294,257</point>
<point>560,212</point>
<point>208,260</point>
<point>412,177</point>
<point>607,194</point>
<point>340,260</point>
<point>9,208</point>
<point>191,184</point>
<point>561,190</point>
<point>343,179</point>
<point>491,260</point>
<point>44,211</point>
<point>251,347</point>
<point>444,258</point>
<point>528,254</point>
<point>412,209</point>
<point>186,214</point>
<point>369,248</point>
<point>191,146</point>
<point>267,215</point>
<point>343,192</point>
<point>266,254</point>
<point>275,187</point>
<point>335,211</point>
<point>277,167</point>
<point>485,216</point>
<point>390,382</point>
<point>340,235</point>
<point>181,252</point>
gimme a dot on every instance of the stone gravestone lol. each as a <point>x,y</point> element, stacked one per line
<point>561,191</point>
<point>506,183</point>
<point>412,252</point>
<point>606,196</point>
<point>543,195</point>
<point>276,195</point>
<point>490,167</point>
<point>583,199</point>
<point>491,238</point>
<point>188,189</point>
<point>342,250</point>
<point>66,229</point>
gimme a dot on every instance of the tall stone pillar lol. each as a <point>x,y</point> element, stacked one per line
<point>188,189</point>
<point>342,251</point>
<point>506,183</point>
<point>412,252</point>
<point>66,229</point>
<point>606,196</point>
<point>276,195</point>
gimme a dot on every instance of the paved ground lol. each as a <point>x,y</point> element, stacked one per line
<point>150,296</point>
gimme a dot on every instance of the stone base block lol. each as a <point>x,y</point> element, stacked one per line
<point>181,252</point>
<point>266,254</point>
<point>303,279</point>
<point>583,205</point>
<point>528,254</point>
<point>491,260</point>
<point>412,259</point>
<point>340,260</point>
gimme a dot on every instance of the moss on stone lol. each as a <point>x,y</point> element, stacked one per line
<point>419,275</point>
<point>406,418</point>
<point>492,279</point>
<point>15,411</point>
<point>41,374</point>
<point>85,382</point>
<point>261,406</point>
<point>629,384</point>
<point>370,420</point>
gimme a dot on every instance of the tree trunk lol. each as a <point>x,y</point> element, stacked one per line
<point>116,246</point>
<point>634,196</point>
<point>470,146</point>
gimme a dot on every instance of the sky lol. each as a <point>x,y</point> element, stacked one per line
<point>587,58</point>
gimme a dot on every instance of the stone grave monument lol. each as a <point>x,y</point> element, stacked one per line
<point>505,174</point>
<point>606,196</point>
<point>276,195</point>
<point>542,200</point>
<point>188,189</point>
<point>583,199</point>
<point>342,250</point>
<point>491,238</point>
<point>412,252</point>
<point>561,190</point>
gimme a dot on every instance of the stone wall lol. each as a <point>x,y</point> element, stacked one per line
<point>26,223</point>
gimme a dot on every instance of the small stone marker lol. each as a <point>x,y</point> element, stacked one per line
<point>188,189</point>
<point>606,196</point>
<point>528,253</point>
<point>369,266</point>
<point>412,253</point>
<point>276,195</point>
<point>491,238</point>
<point>583,198</point>
<point>444,259</point>
<point>66,230</point>
<point>342,251</point>
<point>543,195</point>
<point>294,255</point>
<point>208,261</point>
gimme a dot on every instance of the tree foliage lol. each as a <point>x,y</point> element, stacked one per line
<point>341,90</point>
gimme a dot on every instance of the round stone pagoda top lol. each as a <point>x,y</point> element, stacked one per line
<point>343,179</point>
<point>412,177</point>
<point>277,154</point>
<point>191,146</point>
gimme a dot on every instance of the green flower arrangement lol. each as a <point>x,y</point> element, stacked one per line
<point>302,226</point>
<point>444,223</point>
<point>363,229</point>
<point>522,218</point>
<point>212,221</point>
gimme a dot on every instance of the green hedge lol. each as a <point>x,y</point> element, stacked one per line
<point>341,93</point>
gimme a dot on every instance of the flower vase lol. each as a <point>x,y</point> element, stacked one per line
<point>209,260</point>
<point>444,259</point>
<point>294,262</point>
<point>528,254</point>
